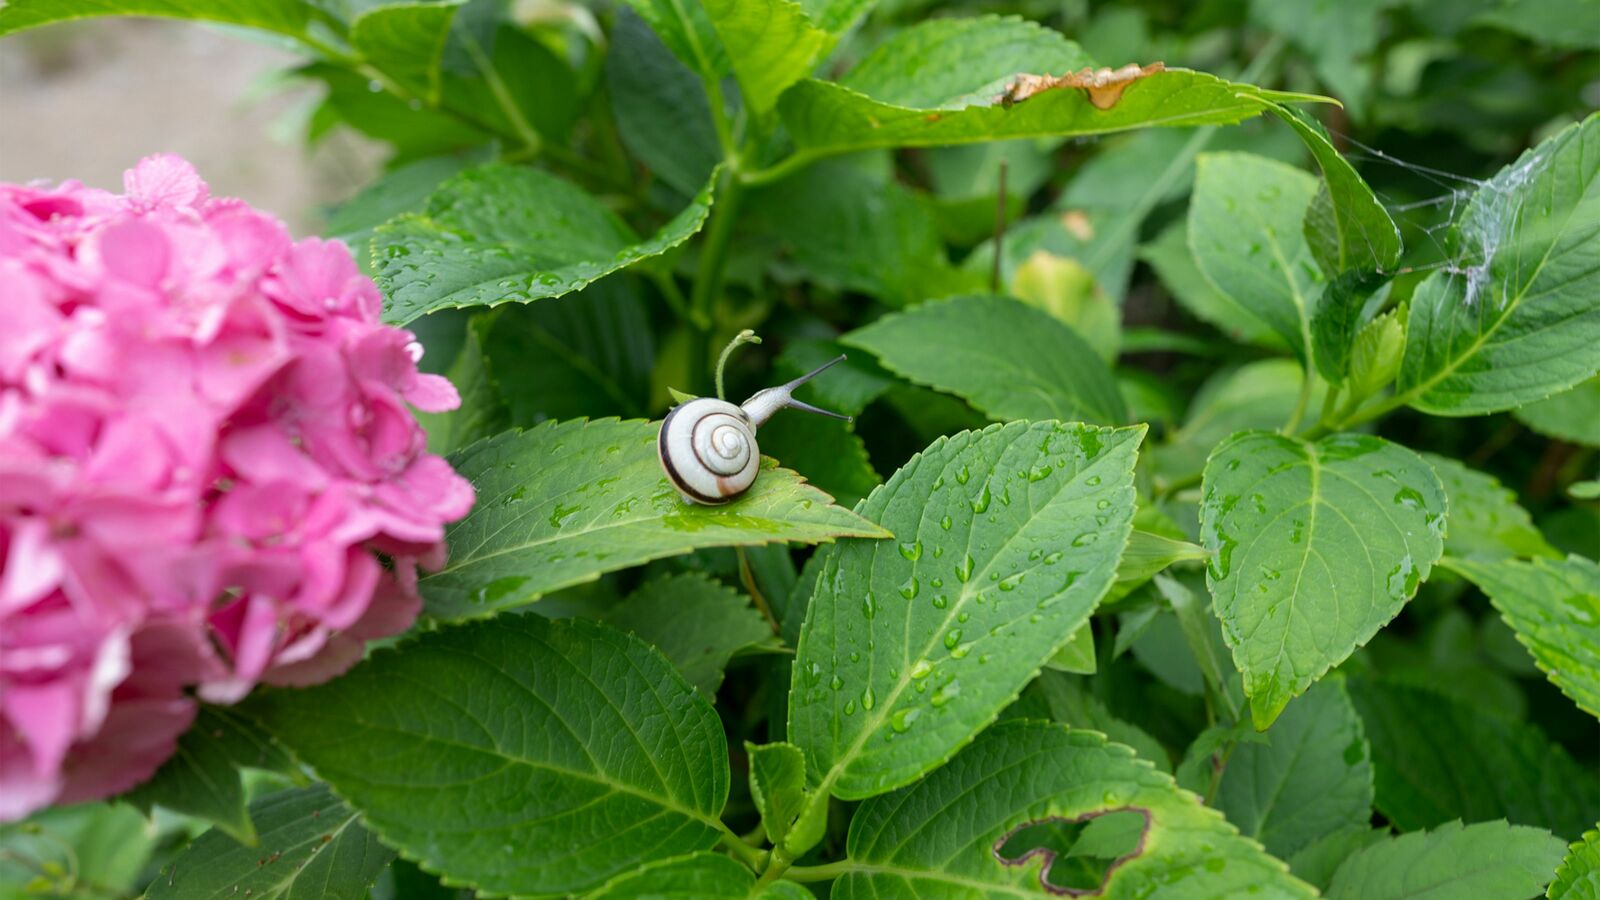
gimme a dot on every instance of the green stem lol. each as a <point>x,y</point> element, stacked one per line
<point>1217,768</point>
<point>750,856</point>
<point>1308,384</point>
<point>826,872</point>
<point>502,96</point>
<point>777,864</point>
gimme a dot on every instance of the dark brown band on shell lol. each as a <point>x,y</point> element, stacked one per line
<point>672,471</point>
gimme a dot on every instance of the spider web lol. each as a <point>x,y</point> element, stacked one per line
<point>1464,226</point>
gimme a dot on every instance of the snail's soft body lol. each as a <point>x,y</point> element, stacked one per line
<point>708,446</point>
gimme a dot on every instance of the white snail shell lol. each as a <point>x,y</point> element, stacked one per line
<point>708,446</point>
<point>708,450</point>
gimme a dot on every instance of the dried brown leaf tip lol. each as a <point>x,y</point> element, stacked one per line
<point>1104,86</point>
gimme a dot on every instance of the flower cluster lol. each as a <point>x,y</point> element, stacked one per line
<point>209,474</point>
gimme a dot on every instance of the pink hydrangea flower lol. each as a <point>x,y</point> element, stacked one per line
<point>210,475</point>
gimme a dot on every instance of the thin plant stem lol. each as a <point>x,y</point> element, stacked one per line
<point>748,576</point>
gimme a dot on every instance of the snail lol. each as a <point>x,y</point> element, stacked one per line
<point>708,445</point>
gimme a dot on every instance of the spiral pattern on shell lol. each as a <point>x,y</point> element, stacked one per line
<point>708,450</point>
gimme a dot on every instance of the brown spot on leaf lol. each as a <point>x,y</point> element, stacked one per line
<point>1052,839</point>
<point>1104,86</point>
<point>1077,224</point>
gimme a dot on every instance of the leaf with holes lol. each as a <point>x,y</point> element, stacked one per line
<point>312,847</point>
<point>521,756</point>
<point>1490,859</point>
<point>1425,776</point>
<point>695,622</point>
<point>1554,607</point>
<point>1311,777</point>
<point>1006,358</point>
<point>1245,234</point>
<point>1032,805</point>
<point>502,234</point>
<point>1513,320</point>
<point>950,80</point>
<point>1315,546</point>
<point>563,502</point>
<point>1006,540</point>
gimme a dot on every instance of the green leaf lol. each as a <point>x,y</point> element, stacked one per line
<point>1202,635</point>
<point>1585,490</point>
<point>1065,289</point>
<point>941,82</point>
<point>1315,546</point>
<point>1069,702</point>
<point>1207,754</point>
<point>1579,875</point>
<point>1258,395</point>
<point>1244,231</point>
<point>697,876</point>
<point>945,63</point>
<point>941,837</point>
<point>564,502</point>
<point>401,190</point>
<point>1347,228</point>
<point>1425,777</point>
<point>771,44</point>
<point>312,847</point>
<point>1546,21</point>
<point>1485,520</point>
<point>286,17</point>
<point>847,228</point>
<point>1375,356</point>
<point>1006,539</point>
<point>1515,319</point>
<point>589,355</point>
<point>70,850</point>
<point>497,234</point>
<point>405,41</point>
<point>202,778</point>
<point>1451,862</point>
<point>1076,656</point>
<point>1147,555</point>
<point>1006,358</point>
<point>1554,607</point>
<point>1317,861</point>
<point>577,746</point>
<point>1174,263</point>
<point>1310,778</point>
<point>1337,36</point>
<point>1572,416</point>
<point>482,412</point>
<point>826,452</point>
<point>778,788</point>
<point>1343,315</point>
<point>685,28</point>
<point>696,623</point>
<point>662,114</point>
